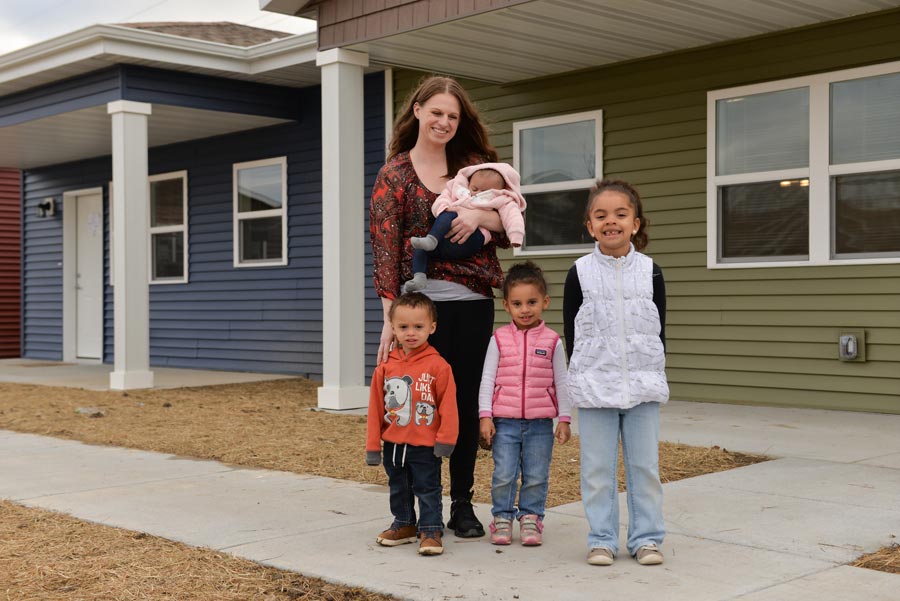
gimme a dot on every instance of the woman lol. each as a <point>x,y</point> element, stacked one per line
<point>437,133</point>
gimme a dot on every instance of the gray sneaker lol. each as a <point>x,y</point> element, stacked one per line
<point>649,555</point>
<point>600,556</point>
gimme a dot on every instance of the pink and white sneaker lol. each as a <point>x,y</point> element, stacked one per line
<point>501,531</point>
<point>530,530</point>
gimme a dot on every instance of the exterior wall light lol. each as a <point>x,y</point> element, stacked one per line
<point>47,208</point>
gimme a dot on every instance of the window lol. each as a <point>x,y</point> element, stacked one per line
<point>168,228</point>
<point>805,171</point>
<point>260,215</point>
<point>559,159</point>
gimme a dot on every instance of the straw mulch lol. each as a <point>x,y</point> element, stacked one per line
<point>886,559</point>
<point>46,555</point>
<point>274,425</point>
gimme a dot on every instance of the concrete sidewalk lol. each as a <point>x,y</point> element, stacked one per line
<point>778,530</point>
<point>95,376</point>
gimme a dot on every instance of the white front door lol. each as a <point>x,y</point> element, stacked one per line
<point>89,277</point>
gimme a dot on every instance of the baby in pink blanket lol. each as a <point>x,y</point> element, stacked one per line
<point>489,186</point>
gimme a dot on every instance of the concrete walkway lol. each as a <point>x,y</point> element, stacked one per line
<point>780,530</point>
<point>95,376</point>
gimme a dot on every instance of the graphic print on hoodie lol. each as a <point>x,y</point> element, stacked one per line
<point>412,400</point>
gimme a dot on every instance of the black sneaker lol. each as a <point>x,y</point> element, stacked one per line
<point>463,521</point>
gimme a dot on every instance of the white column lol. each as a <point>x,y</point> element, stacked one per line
<point>343,235</point>
<point>130,196</point>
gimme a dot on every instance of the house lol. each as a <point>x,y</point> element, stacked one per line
<point>763,136</point>
<point>189,201</point>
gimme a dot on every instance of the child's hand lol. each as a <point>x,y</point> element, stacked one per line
<point>563,432</point>
<point>487,431</point>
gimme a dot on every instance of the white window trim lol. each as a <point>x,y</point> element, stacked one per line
<point>237,217</point>
<point>183,228</point>
<point>819,171</point>
<point>518,126</point>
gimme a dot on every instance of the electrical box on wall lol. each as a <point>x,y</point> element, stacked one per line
<point>852,345</point>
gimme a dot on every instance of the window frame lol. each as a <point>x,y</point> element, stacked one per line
<point>112,229</point>
<point>168,229</point>
<point>238,217</point>
<point>819,172</point>
<point>518,126</point>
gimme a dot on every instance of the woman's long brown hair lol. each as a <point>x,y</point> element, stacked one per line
<point>470,144</point>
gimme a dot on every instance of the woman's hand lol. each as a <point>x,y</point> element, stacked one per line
<point>563,432</point>
<point>469,220</point>
<point>386,345</point>
<point>387,342</point>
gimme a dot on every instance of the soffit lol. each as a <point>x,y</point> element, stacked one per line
<point>548,37</point>
<point>87,133</point>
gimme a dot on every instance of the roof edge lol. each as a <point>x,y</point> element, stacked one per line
<point>94,41</point>
<point>294,8</point>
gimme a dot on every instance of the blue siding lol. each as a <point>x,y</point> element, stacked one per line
<point>266,319</point>
<point>175,88</point>
<point>42,253</point>
<point>60,97</point>
<point>155,86</point>
<point>374,159</point>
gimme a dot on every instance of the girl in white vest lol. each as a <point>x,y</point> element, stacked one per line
<point>614,322</point>
<point>523,388</point>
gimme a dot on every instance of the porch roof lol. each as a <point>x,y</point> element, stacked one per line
<point>539,38</point>
<point>48,114</point>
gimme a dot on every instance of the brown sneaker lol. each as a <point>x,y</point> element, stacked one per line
<point>394,536</point>
<point>649,555</point>
<point>430,544</point>
<point>600,556</point>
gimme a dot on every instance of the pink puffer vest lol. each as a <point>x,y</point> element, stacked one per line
<point>525,387</point>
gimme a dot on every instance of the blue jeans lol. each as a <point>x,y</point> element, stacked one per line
<point>521,447</point>
<point>414,473</point>
<point>599,431</point>
<point>446,249</point>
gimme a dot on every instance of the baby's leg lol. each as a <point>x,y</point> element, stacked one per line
<point>440,228</point>
<point>453,251</point>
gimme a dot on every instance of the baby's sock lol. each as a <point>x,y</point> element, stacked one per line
<point>418,282</point>
<point>428,242</point>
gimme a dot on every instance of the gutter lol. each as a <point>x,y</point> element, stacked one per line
<point>98,41</point>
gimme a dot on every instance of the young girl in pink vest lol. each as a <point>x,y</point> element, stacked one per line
<point>523,388</point>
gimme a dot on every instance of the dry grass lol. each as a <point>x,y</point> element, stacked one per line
<point>274,425</point>
<point>886,559</point>
<point>46,555</point>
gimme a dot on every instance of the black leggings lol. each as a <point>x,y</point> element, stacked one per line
<point>464,329</point>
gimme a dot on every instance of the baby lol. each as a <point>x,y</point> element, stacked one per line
<point>489,186</point>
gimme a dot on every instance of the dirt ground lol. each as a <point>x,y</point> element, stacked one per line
<point>47,555</point>
<point>886,559</point>
<point>274,425</point>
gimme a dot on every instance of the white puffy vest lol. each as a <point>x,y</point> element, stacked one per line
<point>618,359</point>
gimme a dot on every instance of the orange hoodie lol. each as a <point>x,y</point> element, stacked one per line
<point>412,400</point>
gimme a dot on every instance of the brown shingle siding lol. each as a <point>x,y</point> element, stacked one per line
<point>221,32</point>
<point>343,22</point>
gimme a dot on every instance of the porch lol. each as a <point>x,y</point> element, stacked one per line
<point>95,376</point>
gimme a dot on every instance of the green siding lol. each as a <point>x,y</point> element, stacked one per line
<point>761,336</point>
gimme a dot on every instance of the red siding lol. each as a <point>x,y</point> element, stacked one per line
<point>10,263</point>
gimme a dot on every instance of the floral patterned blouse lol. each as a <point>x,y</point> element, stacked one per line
<point>400,209</point>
